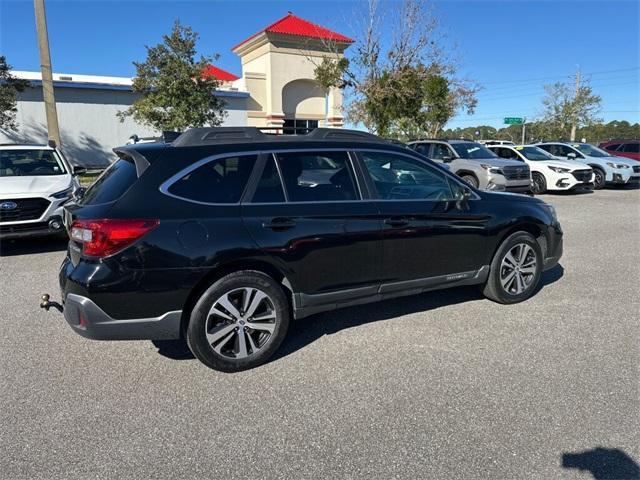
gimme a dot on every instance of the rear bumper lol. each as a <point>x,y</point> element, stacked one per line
<point>90,321</point>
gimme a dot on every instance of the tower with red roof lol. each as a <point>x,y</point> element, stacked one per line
<point>278,66</point>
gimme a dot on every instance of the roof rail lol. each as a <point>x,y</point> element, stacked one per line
<point>324,133</point>
<point>209,135</point>
<point>343,134</point>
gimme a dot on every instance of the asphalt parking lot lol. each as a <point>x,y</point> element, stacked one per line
<point>445,385</point>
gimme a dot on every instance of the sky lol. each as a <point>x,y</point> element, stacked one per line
<point>510,48</point>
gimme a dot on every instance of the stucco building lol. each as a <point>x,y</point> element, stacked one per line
<point>276,89</point>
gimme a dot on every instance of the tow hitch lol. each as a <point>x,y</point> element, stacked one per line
<point>47,304</point>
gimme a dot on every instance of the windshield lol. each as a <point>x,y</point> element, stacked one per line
<point>535,153</point>
<point>28,163</point>
<point>472,151</point>
<point>590,150</point>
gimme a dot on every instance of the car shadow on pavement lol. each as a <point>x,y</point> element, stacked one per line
<point>308,330</point>
<point>26,246</point>
<point>603,463</point>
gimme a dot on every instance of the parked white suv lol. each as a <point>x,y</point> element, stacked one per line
<point>35,182</point>
<point>547,171</point>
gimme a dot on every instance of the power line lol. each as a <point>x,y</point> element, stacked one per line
<point>561,76</point>
<point>614,77</point>
<point>474,121</point>
<point>500,97</point>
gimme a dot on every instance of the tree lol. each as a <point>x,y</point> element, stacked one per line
<point>540,131</point>
<point>176,94</point>
<point>567,108</point>
<point>404,87</point>
<point>10,87</point>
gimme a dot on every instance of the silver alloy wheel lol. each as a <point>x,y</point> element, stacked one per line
<point>241,322</point>
<point>518,269</point>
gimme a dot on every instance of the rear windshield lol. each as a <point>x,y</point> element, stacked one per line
<point>28,163</point>
<point>112,184</point>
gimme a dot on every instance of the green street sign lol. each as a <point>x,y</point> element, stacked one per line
<point>513,121</point>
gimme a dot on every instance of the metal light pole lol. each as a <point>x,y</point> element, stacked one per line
<point>47,76</point>
<point>524,129</point>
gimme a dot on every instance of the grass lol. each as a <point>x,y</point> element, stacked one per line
<point>86,179</point>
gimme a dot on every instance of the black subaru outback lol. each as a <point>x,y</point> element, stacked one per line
<point>226,234</point>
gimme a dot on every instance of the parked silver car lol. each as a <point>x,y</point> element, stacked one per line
<point>477,165</point>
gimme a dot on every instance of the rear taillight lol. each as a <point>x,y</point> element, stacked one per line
<point>101,238</point>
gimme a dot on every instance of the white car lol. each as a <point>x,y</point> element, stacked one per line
<point>488,143</point>
<point>35,182</point>
<point>547,171</point>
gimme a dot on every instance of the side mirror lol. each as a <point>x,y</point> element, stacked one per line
<point>79,193</point>
<point>77,170</point>
<point>462,197</point>
<point>571,155</point>
<point>447,159</point>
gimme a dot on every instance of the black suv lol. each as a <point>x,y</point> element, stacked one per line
<point>226,234</point>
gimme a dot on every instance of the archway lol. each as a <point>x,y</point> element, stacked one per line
<point>303,105</point>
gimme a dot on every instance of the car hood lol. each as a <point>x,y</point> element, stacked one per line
<point>497,162</point>
<point>562,164</point>
<point>35,185</point>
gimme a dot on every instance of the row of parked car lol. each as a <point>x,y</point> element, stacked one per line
<point>222,236</point>
<point>536,168</point>
<point>37,180</point>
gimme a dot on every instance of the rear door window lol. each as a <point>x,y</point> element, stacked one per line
<point>440,151</point>
<point>219,181</point>
<point>317,176</point>
<point>631,148</point>
<point>423,149</point>
<point>112,184</point>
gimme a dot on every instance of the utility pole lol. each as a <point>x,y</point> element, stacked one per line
<point>524,129</point>
<point>574,127</point>
<point>47,76</point>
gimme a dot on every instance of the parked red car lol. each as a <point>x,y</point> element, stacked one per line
<point>623,148</point>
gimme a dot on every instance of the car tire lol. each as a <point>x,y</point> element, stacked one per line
<point>538,184</point>
<point>470,179</point>
<point>226,337</point>
<point>600,178</point>
<point>511,279</point>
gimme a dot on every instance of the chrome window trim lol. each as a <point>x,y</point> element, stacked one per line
<point>164,186</point>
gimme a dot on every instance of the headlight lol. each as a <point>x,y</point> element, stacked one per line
<point>552,211</point>
<point>491,168</point>
<point>559,169</point>
<point>617,165</point>
<point>66,193</point>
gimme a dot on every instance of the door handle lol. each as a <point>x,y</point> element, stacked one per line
<point>280,223</point>
<point>396,221</point>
